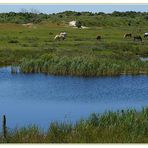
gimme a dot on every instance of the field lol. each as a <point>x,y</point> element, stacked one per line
<point>36,45</point>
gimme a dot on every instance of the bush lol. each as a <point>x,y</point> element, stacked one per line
<point>78,24</point>
<point>13,41</point>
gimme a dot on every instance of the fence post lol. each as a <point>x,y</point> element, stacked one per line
<point>4,127</point>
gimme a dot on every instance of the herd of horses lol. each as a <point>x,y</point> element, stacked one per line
<point>63,35</point>
<point>137,37</point>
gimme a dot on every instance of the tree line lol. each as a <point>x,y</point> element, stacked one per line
<point>86,18</point>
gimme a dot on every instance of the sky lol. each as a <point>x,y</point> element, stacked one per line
<point>52,8</point>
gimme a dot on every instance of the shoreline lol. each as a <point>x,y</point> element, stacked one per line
<point>73,75</point>
<point>128,125</point>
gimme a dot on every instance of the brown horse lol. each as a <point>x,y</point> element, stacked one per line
<point>138,38</point>
<point>128,35</point>
<point>98,37</point>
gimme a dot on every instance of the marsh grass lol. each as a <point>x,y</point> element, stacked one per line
<point>80,54</point>
<point>82,66</point>
<point>124,126</point>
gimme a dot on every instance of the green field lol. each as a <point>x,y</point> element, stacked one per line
<point>112,55</point>
<point>34,49</point>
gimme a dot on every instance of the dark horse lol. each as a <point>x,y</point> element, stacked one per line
<point>98,37</point>
<point>145,35</point>
<point>128,35</point>
<point>138,38</point>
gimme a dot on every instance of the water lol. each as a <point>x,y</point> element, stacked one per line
<point>37,98</point>
<point>144,58</point>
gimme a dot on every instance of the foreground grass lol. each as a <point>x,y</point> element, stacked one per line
<point>126,126</point>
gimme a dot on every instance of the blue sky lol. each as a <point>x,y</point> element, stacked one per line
<point>52,8</point>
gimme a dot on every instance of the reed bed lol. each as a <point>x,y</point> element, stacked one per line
<point>82,66</point>
<point>125,126</point>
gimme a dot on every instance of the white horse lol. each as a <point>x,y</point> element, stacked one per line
<point>64,34</point>
<point>59,37</point>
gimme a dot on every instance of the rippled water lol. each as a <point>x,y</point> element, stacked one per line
<point>40,99</point>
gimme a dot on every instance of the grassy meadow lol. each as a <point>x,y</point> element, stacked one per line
<point>34,49</point>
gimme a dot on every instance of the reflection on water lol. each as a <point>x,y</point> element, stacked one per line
<point>40,99</point>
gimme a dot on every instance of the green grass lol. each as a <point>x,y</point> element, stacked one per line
<point>19,42</point>
<point>125,126</point>
<point>82,66</point>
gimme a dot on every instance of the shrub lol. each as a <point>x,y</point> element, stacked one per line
<point>78,24</point>
<point>13,41</point>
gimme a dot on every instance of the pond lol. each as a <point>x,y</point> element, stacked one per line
<point>40,99</point>
<point>144,58</point>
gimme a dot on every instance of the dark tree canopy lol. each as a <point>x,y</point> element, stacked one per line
<point>78,24</point>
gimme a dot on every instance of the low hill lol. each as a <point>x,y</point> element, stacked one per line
<point>129,18</point>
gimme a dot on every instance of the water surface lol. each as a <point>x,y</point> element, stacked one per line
<point>144,59</point>
<point>40,99</point>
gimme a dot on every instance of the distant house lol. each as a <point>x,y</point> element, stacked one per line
<point>72,23</point>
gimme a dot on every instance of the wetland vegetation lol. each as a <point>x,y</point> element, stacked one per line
<point>125,126</point>
<point>27,41</point>
<point>33,48</point>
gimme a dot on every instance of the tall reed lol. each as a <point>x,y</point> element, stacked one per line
<point>124,126</point>
<point>82,66</point>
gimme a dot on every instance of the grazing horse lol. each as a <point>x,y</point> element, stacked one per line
<point>138,38</point>
<point>98,37</point>
<point>128,35</point>
<point>59,37</point>
<point>145,34</point>
<point>64,34</point>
